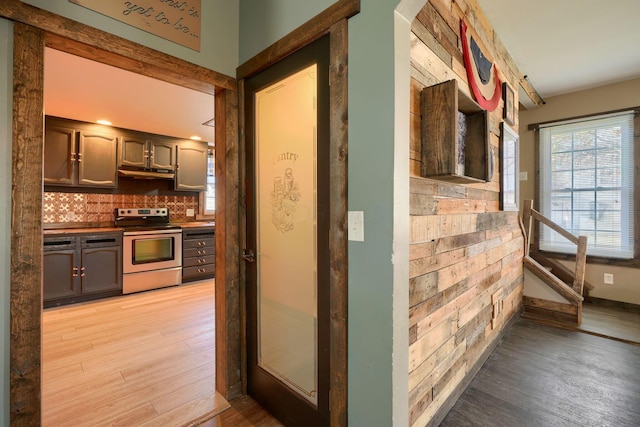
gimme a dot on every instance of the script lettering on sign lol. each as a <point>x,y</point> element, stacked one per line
<point>174,20</point>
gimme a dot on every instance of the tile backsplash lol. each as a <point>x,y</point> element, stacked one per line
<point>89,208</point>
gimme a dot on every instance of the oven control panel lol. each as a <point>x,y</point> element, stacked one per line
<point>142,212</point>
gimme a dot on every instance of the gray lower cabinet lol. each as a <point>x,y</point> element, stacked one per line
<point>79,267</point>
<point>198,253</point>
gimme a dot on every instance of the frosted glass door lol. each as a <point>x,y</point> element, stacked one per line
<point>286,227</point>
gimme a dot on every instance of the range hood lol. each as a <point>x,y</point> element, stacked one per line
<point>141,174</point>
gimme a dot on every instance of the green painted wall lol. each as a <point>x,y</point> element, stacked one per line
<point>371,187</point>
<point>6,107</point>
<point>218,32</point>
<point>264,22</point>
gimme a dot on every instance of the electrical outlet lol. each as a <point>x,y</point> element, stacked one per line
<point>608,279</point>
<point>190,212</point>
<point>524,176</point>
<point>71,216</point>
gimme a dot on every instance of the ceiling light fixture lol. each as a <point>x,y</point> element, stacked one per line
<point>104,122</point>
<point>195,138</point>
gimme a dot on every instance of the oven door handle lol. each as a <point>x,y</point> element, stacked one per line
<point>152,232</point>
<point>248,255</point>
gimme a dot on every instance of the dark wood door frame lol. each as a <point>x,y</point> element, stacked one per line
<point>332,21</point>
<point>33,30</point>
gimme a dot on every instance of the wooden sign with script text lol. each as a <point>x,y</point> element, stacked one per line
<point>175,20</point>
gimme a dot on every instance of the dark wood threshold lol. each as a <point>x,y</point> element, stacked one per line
<point>244,412</point>
<point>626,306</point>
<point>613,325</point>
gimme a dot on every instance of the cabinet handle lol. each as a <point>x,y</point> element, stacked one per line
<point>202,243</point>
<point>202,261</point>
<point>79,156</point>
<point>202,252</point>
<point>82,272</point>
<point>75,272</point>
<point>201,270</point>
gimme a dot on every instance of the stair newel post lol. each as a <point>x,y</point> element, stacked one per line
<point>581,261</point>
<point>526,219</point>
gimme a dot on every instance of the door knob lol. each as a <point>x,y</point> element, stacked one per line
<point>248,255</point>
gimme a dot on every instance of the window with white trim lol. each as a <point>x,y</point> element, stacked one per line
<point>210,198</point>
<point>586,184</point>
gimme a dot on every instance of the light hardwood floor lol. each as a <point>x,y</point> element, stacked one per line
<point>141,359</point>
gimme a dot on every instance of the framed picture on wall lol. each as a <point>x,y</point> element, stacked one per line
<point>508,112</point>
<point>509,168</point>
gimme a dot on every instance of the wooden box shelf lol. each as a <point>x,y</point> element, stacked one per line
<point>455,135</point>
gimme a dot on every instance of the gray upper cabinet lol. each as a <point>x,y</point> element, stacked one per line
<point>79,154</point>
<point>97,159</point>
<point>59,154</point>
<point>191,168</point>
<point>142,153</point>
<point>76,155</point>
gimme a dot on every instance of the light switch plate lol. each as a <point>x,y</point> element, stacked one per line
<point>356,226</point>
<point>524,176</point>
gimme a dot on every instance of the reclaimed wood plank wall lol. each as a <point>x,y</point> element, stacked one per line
<point>466,273</point>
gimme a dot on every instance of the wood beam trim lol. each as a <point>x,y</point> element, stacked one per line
<point>531,92</point>
<point>220,230</point>
<point>92,43</point>
<point>228,293</point>
<point>338,193</point>
<point>26,226</point>
<point>301,36</point>
<point>550,305</point>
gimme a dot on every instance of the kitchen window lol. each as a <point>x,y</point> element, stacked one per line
<point>587,183</point>
<point>208,198</point>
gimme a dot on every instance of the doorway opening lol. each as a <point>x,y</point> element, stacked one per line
<point>26,301</point>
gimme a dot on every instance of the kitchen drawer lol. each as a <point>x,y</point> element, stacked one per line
<point>199,271</point>
<point>59,243</point>
<point>198,243</point>
<point>101,240</point>
<point>201,260</point>
<point>198,252</point>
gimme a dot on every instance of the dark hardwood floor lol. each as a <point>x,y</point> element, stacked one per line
<point>546,376</point>
<point>539,375</point>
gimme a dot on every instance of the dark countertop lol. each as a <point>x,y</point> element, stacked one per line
<point>196,224</point>
<point>84,230</point>
<point>81,230</point>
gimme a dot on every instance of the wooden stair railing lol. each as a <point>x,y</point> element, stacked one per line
<point>528,215</point>
<point>554,283</point>
<point>560,270</point>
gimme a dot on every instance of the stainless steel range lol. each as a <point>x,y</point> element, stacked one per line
<point>152,249</point>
